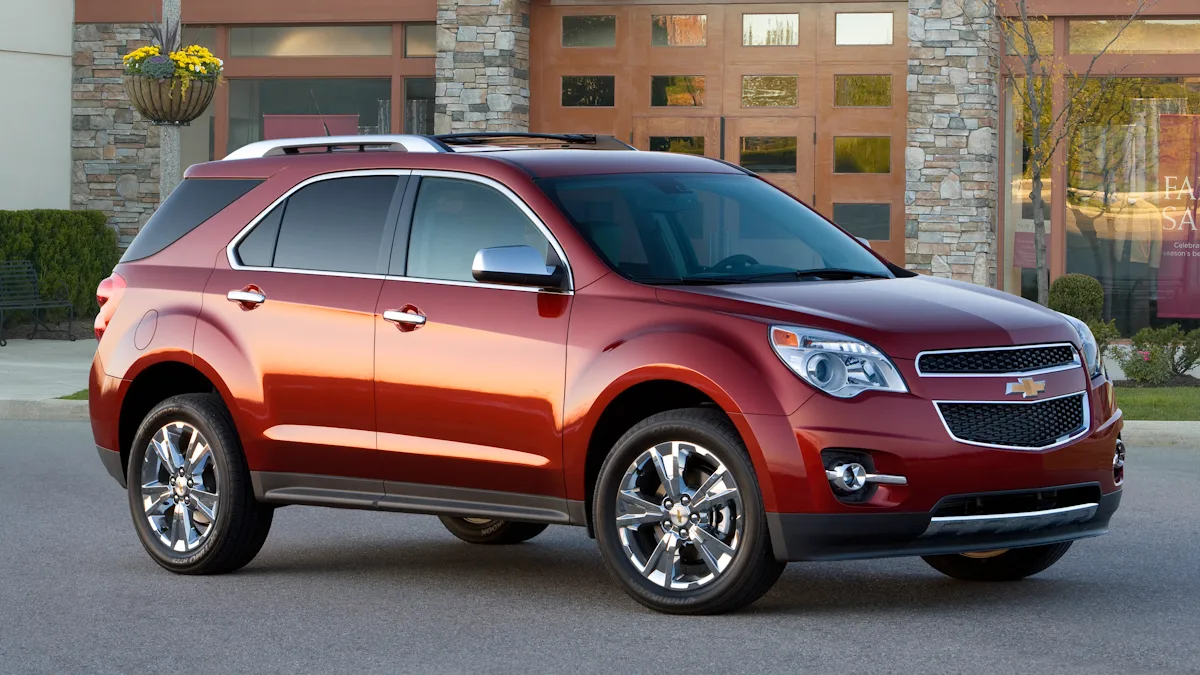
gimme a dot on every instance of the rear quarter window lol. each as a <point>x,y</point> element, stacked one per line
<point>193,202</point>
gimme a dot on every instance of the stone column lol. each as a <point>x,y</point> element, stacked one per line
<point>169,159</point>
<point>482,66</point>
<point>951,161</point>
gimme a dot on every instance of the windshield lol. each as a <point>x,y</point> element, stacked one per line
<point>706,229</point>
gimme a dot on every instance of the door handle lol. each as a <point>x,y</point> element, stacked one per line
<point>404,318</point>
<point>247,298</point>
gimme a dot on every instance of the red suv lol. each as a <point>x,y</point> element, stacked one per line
<point>664,349</point>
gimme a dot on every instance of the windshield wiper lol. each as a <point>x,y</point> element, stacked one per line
<point>838,273</point>
<point>687,281</point>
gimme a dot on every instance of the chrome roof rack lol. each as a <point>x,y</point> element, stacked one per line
<point>292,146</point>
<point>444,143</point>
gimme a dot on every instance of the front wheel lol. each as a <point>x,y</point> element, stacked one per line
<point>679,517</point>
<point>491,530</point>
<point>1009,565</point>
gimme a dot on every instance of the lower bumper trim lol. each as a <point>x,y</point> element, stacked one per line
<point>112,462</point>
<point>804,536</point>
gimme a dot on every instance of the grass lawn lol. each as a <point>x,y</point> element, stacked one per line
<point>80,395</point>
<point>1163,403</point>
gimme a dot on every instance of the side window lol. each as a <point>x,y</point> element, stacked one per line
<point>453,219</point>
<point>334,225</point>
<point>258,248</point>
<point>193,202</point>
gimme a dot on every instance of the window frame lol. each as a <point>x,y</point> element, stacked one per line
<point>404,230</point>
<point>401,229</point>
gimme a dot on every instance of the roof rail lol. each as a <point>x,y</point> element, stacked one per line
<point>568,140</point>
<point>291,146</point>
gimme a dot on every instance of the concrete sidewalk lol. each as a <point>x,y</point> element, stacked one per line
<point>36,370</point>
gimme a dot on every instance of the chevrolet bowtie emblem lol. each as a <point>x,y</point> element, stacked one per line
<point>1027,387</point>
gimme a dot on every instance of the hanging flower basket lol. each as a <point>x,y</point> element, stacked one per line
<point>174,88</point>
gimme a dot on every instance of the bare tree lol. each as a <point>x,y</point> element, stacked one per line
<point>1036,72</point>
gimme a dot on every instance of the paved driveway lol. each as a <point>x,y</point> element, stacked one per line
<point>355,592</point>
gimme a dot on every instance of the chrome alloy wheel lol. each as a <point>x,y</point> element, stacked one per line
<point>679,515</point>
<point>180,484</point>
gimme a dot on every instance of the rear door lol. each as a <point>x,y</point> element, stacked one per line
<point>293,300</point>
<point>472,395</point>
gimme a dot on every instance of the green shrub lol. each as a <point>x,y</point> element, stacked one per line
<point>75,248</point>
<point>1180,350</point>
<point>1148,366</point>
<point>1105,334</point>
<point>1078,295</point>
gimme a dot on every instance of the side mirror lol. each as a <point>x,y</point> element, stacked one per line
<point>516,265</point>
<point>864,242</point>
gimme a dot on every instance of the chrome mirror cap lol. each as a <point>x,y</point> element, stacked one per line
<point>516,265</point>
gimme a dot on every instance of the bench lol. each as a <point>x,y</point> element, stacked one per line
<point>20,291</point>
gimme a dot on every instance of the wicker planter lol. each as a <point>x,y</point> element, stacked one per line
<point>162,101</point>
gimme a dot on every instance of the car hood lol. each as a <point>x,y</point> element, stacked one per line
<point>902,316</point>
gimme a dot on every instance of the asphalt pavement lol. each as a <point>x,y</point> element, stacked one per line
<point>360,592</point>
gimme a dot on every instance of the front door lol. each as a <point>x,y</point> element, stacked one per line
<point>469,376</point>
<point>780,149</point>
<point>295,311</point>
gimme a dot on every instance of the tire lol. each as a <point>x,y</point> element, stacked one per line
<point>236,534</point>
<point>692,580</point>
<point>491,531</point>
<point>1010,565</point>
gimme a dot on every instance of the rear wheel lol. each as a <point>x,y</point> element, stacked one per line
<point>491,530</point>
<point>189,489</point>
<point>679,517</point>
<point>1002,565</point>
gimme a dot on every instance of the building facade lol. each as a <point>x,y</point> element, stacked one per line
<point>901,121</point>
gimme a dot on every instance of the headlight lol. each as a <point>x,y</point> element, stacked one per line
<point>836,364</point>
<point>1091,353</point>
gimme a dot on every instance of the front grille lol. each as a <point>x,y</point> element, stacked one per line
<point>1019,425</point>
<point>996,361</point>
<point>1016,502</point>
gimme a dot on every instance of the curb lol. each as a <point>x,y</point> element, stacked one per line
<point>1186,434</point>
<point>53,410</point>
<point>1135,433</point>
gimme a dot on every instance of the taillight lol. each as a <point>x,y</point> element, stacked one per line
<point>108,294</point>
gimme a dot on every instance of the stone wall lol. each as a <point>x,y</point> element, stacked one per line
<point>482,66</point>
<point>114,152</point>
<point>951,160</point>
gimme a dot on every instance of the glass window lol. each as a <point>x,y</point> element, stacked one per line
<point>1041,30</point>
<point>286,108</point>
<point>420,39</point>
<point>1020,273</point>
<point>863,29</point>
<point>678,30</point>
<point>769,91</point>
<point>703,228</point>
<point>768,154</point>
<point>869,221</point>
<point>194,201</point>
<point>205,36</point>
<point>454,219</point>
<point>770,30</point>
<point>589,91</point>
<point>257,249</point>
<point>686,145</point>
<point>336,225</point>
<point>1133,189</point>
<point>862,154</point>
<point>589,31</point>
<point>677,90</point>
<point>862,91</point>
<point>1143,36</point>
<point>310,41</point>
<point>418,105</point>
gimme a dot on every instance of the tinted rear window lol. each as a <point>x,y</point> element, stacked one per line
<point>192,203</point>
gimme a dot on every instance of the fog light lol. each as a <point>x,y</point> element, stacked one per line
<point>1119,463</point>
<point>849,477</point>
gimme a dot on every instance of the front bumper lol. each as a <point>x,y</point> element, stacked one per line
<point>848,536</point>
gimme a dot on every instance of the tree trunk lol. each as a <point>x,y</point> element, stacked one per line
<point>1039,238</point>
